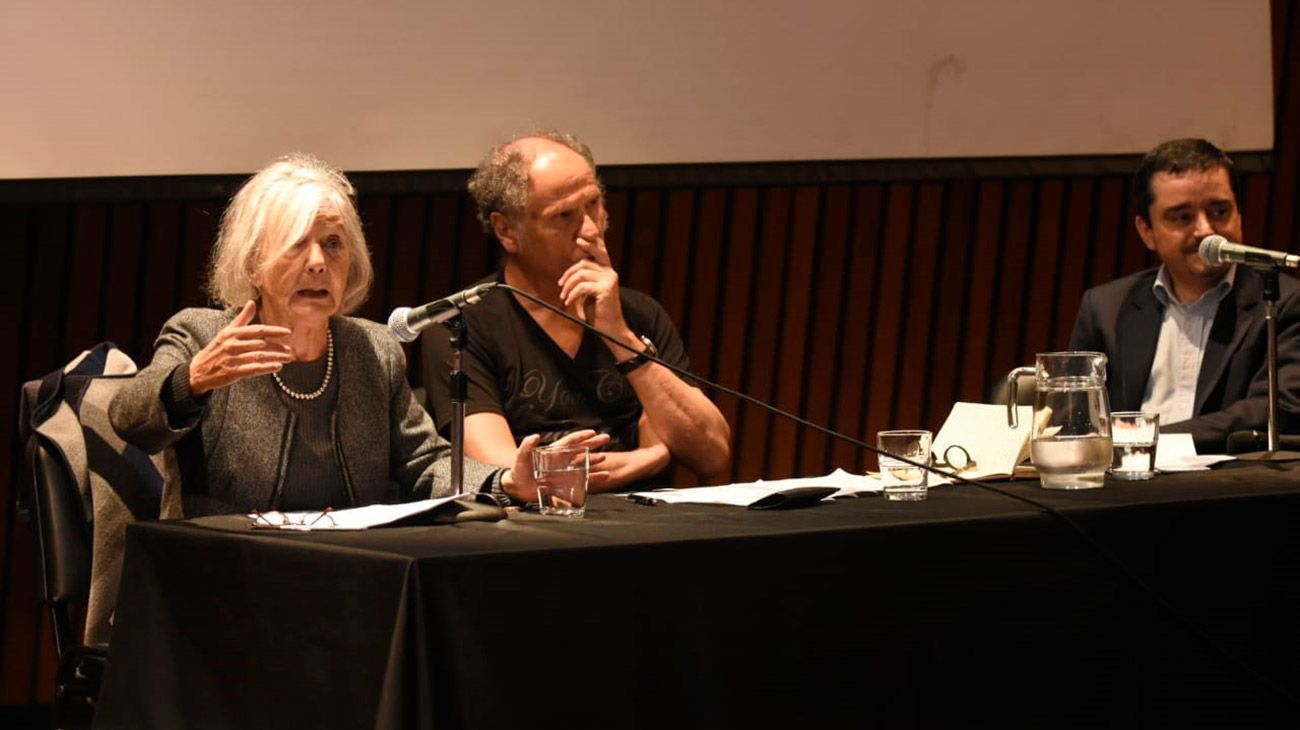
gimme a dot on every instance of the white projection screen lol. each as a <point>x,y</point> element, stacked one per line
<point>141,87</point>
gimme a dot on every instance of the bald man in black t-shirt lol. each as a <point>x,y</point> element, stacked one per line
<point>534,375</point>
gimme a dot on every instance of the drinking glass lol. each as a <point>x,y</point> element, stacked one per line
<point>561,474</point>
<point>1134,434</point>
<point>904,482</point>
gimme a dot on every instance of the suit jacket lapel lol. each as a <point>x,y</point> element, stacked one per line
<point>1138,332</point>
<point>1232,320</point>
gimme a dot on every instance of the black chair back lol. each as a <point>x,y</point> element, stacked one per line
<point>64,534</point>
<point>65,539</point>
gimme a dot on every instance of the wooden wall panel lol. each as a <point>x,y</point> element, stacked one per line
<point>762,322</point>
<point>674,260</point>
<point>160,286</point>
<point>1077,254</point>
<point>699,322</point>
<point>881,396</point>
<point>21,632</point>
<point>48,308</point>
<point>1103,252</point>
<point>639,262</point>
<point>122,268</point>
<point>1254,209</point>
<point>378,214</point>
<point>1012,280</point>
<point>1044,262</point>
<point>736,269</point>
<point>438,252</point>
<point>403,270</point>
<point>475,253</point>
<point>952,262</point>
<point>198,236</point>
<point>975,339</point>
<point>617,204</point>
<point>1134,256</point>
<point>20,626</point>
<point>1285,197</point>
<point>793,325</point>
<point>688,275</point>
<point>85,277</point>
<point>824,328</point>
<point>918,316</point>
<point>862,304</point>
<point>17,591</point>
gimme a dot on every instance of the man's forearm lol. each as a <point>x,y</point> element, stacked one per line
<point>690,425</point>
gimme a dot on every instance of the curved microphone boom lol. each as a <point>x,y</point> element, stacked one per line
<point>407,323</point>
<point>688,375</point>
<point>1216,250</point>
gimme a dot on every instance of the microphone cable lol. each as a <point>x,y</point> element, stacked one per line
<point>1107,557</point>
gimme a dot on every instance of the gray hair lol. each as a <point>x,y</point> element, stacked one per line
<point>272,211</point>
<point>500,184</point>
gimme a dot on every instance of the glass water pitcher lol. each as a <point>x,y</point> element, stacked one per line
<point>1070,443</point>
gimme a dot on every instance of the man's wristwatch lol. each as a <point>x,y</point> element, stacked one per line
<point>639,359</point>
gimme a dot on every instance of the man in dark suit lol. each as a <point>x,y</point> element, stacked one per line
<point>1186,339</point>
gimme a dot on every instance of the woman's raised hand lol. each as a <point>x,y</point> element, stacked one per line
<point>240,350</point>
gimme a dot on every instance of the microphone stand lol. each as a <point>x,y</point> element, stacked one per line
<point>456,327</point>
<point>1272,292</point>
<point>446,311</point>
<point>1271,287</point>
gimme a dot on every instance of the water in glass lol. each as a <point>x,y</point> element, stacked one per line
<point>562,492</point>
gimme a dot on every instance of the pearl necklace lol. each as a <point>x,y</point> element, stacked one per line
<point>329,370</point>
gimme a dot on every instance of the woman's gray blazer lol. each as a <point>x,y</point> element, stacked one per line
<point>234,456</point>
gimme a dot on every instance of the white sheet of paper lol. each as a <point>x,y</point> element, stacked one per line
<point>744,494</point>
<point>1177,452</point>
<point>361,518</point>
<point>981,428</point>
<point>736,495</point>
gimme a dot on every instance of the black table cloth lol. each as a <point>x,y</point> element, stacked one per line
<point>1177,603</point>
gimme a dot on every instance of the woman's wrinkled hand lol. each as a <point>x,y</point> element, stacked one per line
<point>240,350</point>
<point>519,482</point>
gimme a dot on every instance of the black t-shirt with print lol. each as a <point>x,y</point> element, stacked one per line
<point>514,368</point>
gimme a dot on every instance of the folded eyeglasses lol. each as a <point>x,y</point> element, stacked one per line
<point>277,520</point>
<point>956,459</point>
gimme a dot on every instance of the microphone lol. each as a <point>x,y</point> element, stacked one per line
<point>1217,250</point>
<point>407,323</point>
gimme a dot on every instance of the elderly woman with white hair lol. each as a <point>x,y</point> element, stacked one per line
<point>279,401</point>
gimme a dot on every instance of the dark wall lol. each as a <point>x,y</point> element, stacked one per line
<point>858,295</point>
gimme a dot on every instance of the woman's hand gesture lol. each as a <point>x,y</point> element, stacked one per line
<point>240,350</point>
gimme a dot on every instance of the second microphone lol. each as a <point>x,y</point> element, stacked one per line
<point>407,323</point>
<point>1216,250</point>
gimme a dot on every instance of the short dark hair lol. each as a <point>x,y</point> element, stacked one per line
<point>500,184</point>
<point>1176,157</point>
